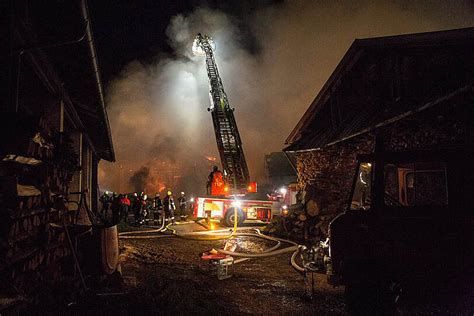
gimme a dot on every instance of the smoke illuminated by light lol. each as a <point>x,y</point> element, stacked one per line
<point>157,111</point>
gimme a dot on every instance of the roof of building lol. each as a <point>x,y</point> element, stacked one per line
<point>310,132</point>
<point>63,33</point>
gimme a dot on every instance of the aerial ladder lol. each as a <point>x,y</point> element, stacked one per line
<point>229,144</point>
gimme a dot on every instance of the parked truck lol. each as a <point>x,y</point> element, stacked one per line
<point>409,222</point>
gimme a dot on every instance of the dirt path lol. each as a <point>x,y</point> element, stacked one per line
<point>166,275</point>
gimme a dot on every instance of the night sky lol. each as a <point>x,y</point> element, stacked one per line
<point>128,30</point>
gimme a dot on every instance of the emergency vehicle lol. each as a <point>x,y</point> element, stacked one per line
<point>224,209</point>
<point>227,189</point>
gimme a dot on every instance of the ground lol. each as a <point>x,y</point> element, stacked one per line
<point>166,275</point>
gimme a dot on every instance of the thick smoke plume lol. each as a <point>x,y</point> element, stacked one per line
<point>272,61</point>
<point>140,178</point>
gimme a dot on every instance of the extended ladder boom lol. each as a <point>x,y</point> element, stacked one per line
<point>225,127</point>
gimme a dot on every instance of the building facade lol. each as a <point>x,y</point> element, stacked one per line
<point>408,92</point>
<point>55,131</point>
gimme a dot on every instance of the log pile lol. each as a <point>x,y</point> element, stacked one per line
<point>36,166</point>
<point>305,224</point>
<point>326,175</point>
<point>427,130</point>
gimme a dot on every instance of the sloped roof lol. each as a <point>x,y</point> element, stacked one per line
<point>304,136</point>
<point>76,65</point>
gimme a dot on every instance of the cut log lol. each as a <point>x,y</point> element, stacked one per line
<point>312,208</point>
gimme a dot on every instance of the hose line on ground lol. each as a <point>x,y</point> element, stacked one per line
<point>132,234</point>
<point>293,261</point>
<point>222,234</point>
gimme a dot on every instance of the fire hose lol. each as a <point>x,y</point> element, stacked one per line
<point>132,234</point>
<point>224,234</point>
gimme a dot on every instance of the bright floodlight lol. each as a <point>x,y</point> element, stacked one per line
<point>283,191</point>
<point>198,43</point>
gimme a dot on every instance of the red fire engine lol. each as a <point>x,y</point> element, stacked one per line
<point>227,189</point>
<point>224,209</point>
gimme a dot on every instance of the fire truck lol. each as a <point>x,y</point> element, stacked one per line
<point>230,189</point>
<point>224,209</point>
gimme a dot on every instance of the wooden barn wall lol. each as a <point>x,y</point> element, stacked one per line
<point>326,175</point>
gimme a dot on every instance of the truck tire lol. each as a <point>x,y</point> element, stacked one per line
<point>376,295</point>
<point>360,299</point>
<point>229,217</point>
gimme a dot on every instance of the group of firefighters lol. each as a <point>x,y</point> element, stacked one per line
<point>143,207</point>
<point>146,209</point>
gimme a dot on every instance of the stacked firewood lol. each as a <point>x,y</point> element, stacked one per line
<point>305,224</point>
<point>427,131</point>
<point>36,166</point>
<point>327,174</point>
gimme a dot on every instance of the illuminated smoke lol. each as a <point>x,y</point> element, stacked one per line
<point>158,111</point>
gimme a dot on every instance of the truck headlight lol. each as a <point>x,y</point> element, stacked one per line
<point>236,203</point>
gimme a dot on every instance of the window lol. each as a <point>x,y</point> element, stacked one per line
<point>415,184</point>
<point>363,181</point>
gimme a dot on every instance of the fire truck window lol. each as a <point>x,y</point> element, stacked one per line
<point>361,194</point>
<point>420,184</point>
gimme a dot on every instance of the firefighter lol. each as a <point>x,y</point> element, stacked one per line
<point>182,205</point>
<point>210,178</point>
<point>124,206</point>
<point>137,207</point>
<point>144,209</point>
<point>215,183</point>
<point>169,207</point>
<point>115,207</point>
<point>157,208</point>
<point>105,200</point>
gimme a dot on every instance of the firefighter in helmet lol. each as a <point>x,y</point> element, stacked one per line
<point>215,183</point>
<point>137,208</point>
<point>169,206</point>
<point>105,199</point>
<point>182,205</point>
<point>157,208</point>
<point>209,180</point>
